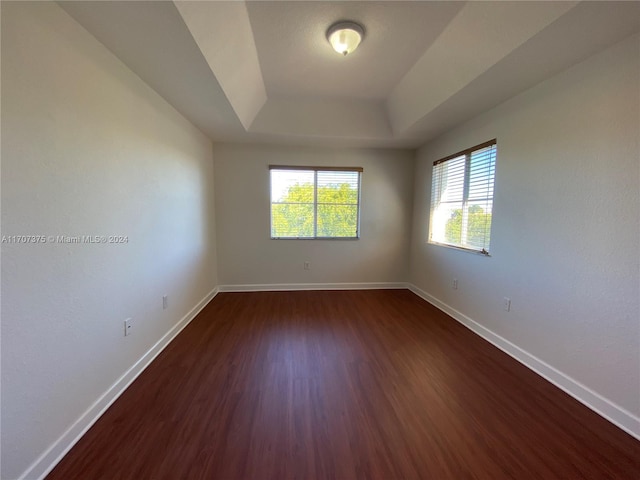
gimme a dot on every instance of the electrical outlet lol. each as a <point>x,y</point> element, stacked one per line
<point>454,284</point>
<point>165,302</point>
<point>507,304</point>
<point>307,265</point>
<point>127,326</point>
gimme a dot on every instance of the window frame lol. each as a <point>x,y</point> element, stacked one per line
<point>467,153</point>
<point>315,170</point>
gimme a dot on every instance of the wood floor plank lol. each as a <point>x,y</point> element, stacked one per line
<point>343,385</point>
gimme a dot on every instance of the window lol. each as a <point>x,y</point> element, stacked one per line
<point>315,202</point>
<point>462,198</point>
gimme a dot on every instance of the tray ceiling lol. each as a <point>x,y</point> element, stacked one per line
<point>262,71</point>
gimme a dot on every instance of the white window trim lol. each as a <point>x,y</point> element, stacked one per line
<point>315,171</point>
<point>467,153</point>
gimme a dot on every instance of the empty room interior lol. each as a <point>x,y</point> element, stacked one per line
<point>320,240</point>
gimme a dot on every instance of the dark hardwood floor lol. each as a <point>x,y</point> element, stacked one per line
<point>343,385</point>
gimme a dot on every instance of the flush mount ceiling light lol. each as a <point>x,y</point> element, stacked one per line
<point>345,37</point>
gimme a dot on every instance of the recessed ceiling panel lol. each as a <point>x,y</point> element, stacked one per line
<point>297,60</point>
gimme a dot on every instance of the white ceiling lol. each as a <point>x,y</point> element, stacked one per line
<point>297,61</point>
<point>262,71</point>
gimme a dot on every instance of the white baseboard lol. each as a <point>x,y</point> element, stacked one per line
<point>617,415</point>
<point>280,287</point>
<point>50,458</point>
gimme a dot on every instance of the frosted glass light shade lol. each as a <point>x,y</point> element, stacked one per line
<point>345,37</point>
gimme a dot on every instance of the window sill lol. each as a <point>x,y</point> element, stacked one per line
<point>315,238</point>
<point>463,249</point>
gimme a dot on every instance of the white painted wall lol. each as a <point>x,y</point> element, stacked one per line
<point>247,255</point>
<point>566,229</point>
<point>88,149</point>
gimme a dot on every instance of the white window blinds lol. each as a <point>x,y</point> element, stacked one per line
<point>462,198</point>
